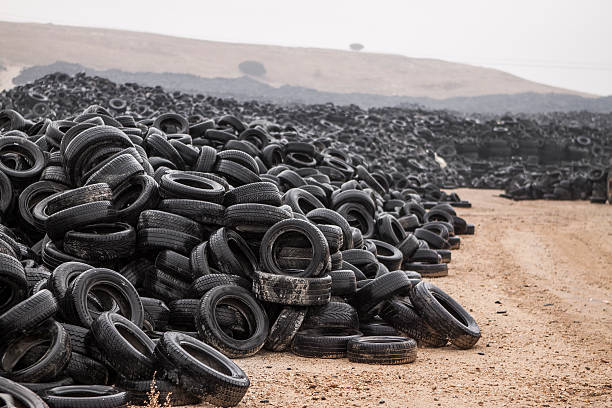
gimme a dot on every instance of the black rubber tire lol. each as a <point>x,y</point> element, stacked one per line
<point>136,195</point>
<point>163,219</point>
<point>333,236</point>
<point>289,290</point>
<point>52,257</point>
<point>32,195</point>
<point>62,277</point>
<point>41,388</point>
<point>344,282</point>
<point>86,370</point>
<point>27,314</point>
<point>434,240</point>
<point>22,147</point>
<point>206,159</point>
<point>113,285</point>
<point>116,171</point>
<point>101,242</point>
<point>179,184</point>
<point>327,216</point>
<point>55,174</point>
<point>235,173</point>
<point>124,346</point>
<point>78,196</point>
<point>428,256</point>
<point>388,255</point>
<point>454,242</point>
<point>174,264</point>
<point>377,328</point>
<point>231,253</point>
<point>445,255</point>
<point>25,397</point>
<point>203,284</point>
<point>56,345</point>
<point>408,246</point>
<point>438,270</point>
<point>86,396</point>
<point>357,216</point>
<point>81,340</point>
<point>359,276</point>
<point>201,370</point>
<point>301,201</point>
<point>333,314</point>
<point>284,328</point>
<point>240,157</point>
<point>171,123</point>
<point>254,217</point>
<point>157,314</point>
<point>438,215</point>
<point>403,316</point>
<point>80,149</point>
<point>158,145</point>
<point>241,299</point>
<point>359,197</point>
<point>199,261</point>
<point>390,230</point>
<point>362,259</point>
<point>260,193</point>
<point>409,222</point>
<point>200,211</point>
<point>445,315</point>
<point>364,174</point>
<point>380,289</point>
<point>166,286</point>
<point>320,251</point>
<point>183,313</point>
<point>78,216</point>
<point>323,343</point>
<point>6,193</point>
<point>157,239</point>
<point>37,277</point>
<point>13,282</point>
<point>188,153</point>
<point>382,350</point>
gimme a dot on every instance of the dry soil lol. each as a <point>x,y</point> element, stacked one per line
<point>537,276</point>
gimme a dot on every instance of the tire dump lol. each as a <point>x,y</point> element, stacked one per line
<point>147,233</point>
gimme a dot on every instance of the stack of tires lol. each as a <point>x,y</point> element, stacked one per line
<point>130,248</point>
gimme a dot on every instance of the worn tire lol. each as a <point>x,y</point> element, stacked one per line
<point>445,315</point>
<point>201,370</point>
<point>382,350</point>
<point>241,299</point>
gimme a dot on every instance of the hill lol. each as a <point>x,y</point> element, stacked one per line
<point>324,70</point>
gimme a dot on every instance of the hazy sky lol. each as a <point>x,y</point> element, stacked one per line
<point>566,43</point>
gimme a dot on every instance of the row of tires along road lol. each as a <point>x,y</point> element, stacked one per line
<point>168,245</point>
<point>548,156</point>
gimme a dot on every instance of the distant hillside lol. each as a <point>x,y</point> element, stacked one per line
<point>324,70</point>
<point>245,88</point>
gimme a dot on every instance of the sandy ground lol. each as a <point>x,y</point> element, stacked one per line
<point>548,265</point>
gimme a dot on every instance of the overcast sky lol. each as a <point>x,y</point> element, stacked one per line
<point>566,43</point>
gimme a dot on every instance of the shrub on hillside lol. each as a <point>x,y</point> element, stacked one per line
<point>254,68</point>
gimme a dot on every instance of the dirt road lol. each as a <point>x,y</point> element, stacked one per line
<point>546,265</point>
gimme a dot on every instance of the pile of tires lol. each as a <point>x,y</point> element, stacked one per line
<point>411,147</point>
<point>134,246</point>
<point>588,183</point>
